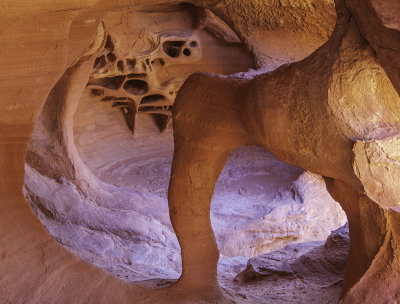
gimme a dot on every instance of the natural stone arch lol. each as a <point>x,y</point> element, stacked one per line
<point>18,226</point>
<point>297,124</point>
<point>59,185</point>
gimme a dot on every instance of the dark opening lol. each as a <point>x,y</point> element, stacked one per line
<point>112,83</point>
<point>111,57</point>
<point>123,100</point>
<point>173,48</point>
<point>130,64</point>
<point>165,110</point>
<point>135,75</point>
<point>152,99</point>
<point>120,66</point>
<point>136,87</point>
<point>97,92</point>
<point>100,62</point>
<point>109,44</point>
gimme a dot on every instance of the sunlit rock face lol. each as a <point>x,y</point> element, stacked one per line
<point>280,32</point>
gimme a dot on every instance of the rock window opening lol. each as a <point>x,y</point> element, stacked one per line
<point>278,230</point>
<point>136,87</point>
<point>173,48</point>
<point>120,66</point>
<point>111,83</point>
<point>100,62</point>
<point>111,188</point>
<point>111,57</point>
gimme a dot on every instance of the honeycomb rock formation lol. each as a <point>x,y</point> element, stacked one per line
<point>333,112</point>
<point>147,57</point>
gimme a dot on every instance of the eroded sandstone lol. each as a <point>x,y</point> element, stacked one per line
<point>49,48</point>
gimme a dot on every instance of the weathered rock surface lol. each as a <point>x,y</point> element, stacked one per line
<point>291,112</point>
<point>316,262</point>
<point>310,272</point>
<point>148,54</point>
<point>259,218</point>
<point>280,32</point>
<point>377,165</point>
<point>136,242</point>
<point>129,236</point>
<point>40,42</point>
<point>260,204</point>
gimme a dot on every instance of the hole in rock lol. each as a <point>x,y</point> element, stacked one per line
<point>156,110</point>
<point>136,87</point>
<point>97,92</point>
<point>260,204</point>
<point>173,48</point>
<point>134,75</point>
<point>186,52</point>
<point>159,62</point>
<point>109,46</point>
<point>152,99</point>
<point>109,204</point>
<point>121,102</point>
<point>130,64</point>
<point>112,83</point>
<point>120,66</point>
<point>117,99</point>
<point>163,121</point>
<point>111,57</point>
<point>100,62</point>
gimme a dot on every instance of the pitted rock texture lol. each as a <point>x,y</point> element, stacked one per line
<point>149,54</point>
<point>280,32</point>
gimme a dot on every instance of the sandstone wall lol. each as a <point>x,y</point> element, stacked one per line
<point>40,42</point>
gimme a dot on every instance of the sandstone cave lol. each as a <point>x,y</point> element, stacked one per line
<point>206,151</point>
